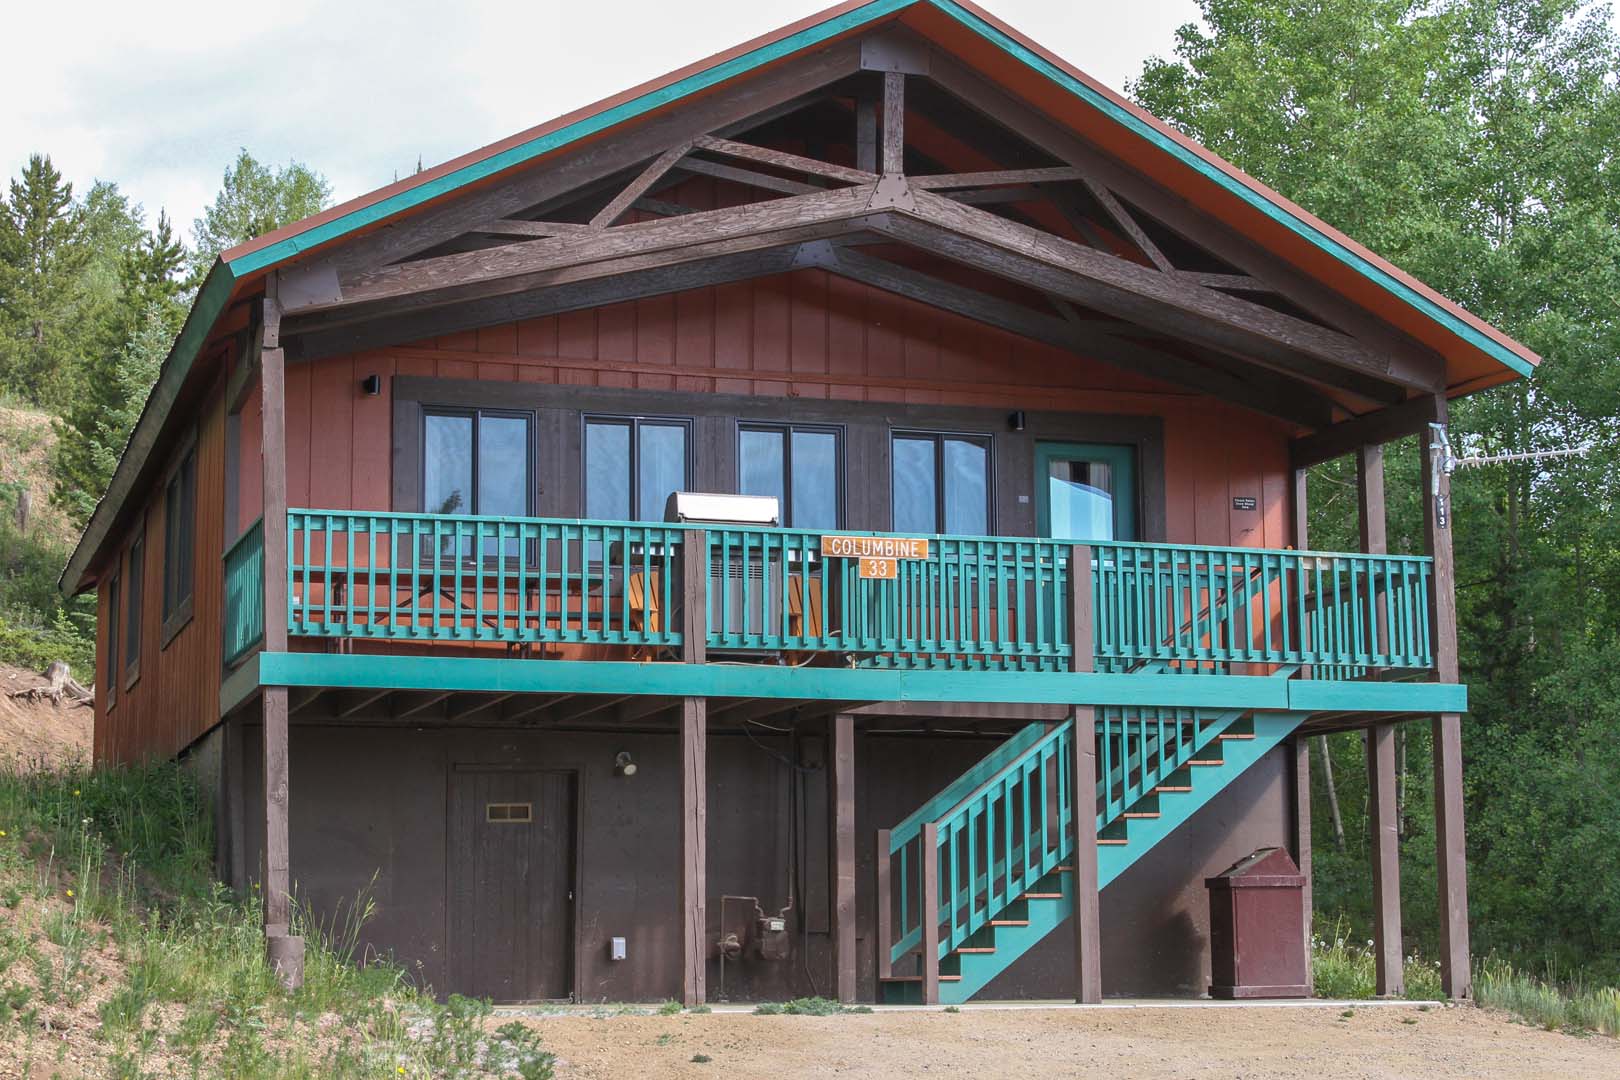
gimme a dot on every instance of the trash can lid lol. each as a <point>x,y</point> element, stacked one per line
<point>1264,868</point>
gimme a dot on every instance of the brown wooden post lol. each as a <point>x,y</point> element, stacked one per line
<point>1299,837</point>
<point>928,912</point>
<point>694,826</point>
<point>894,123</point>
<point>694,595</point>
<point>1380,743</point>
<point>1450,853</point>
<point>285,951</point>
<point>1087,926</point>
<point>841,802</point>
<point>884,898</point>
<point>866,133</point>
<point>1386,860</point>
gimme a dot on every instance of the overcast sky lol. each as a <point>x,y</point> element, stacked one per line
<point>159,96</point>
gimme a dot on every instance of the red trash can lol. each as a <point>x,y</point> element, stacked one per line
<point>1257,928</point>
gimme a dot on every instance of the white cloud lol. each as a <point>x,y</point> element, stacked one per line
<point>159,96</point>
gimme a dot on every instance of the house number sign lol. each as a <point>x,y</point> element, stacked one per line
<point>878,556</point>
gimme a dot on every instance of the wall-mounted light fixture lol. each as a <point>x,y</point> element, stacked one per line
<point>371,385</point>
<point>623,764</point>
<point>1015,420</point>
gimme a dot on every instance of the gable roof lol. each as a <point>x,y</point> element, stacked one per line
<point>1477,353</point>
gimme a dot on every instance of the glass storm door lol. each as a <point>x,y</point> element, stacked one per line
<point>1085,492</point>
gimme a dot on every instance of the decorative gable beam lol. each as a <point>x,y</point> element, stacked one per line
<point>1411,363</point>
<point>1137,293</point>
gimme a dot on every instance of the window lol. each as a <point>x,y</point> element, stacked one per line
<point>1085,492</point>
<point>633,465</point>
<point>941,483</point>
<point>476,462</point>
<point>112,641</point>
<point>132,609</point>
<point>797,465</point>
<point>179,535</point>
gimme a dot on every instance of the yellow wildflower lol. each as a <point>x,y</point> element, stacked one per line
<point>70,892</point>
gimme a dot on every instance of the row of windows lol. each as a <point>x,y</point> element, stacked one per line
<point>479,461</point>
<point>125,591</point>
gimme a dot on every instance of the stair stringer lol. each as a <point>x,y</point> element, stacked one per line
<point>1175,808</point>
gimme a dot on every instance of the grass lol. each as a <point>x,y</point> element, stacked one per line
<point>810,1006</point>
<point>1547,1003</point>
<point>112,932</point>
<point>1344,969</point>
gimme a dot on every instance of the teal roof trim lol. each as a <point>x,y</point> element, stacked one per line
<point>1137,126</point>
<point>590,125</point>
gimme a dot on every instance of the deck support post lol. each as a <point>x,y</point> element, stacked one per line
<point>694,827</point>
<point>1087,929</point>
<point>284,950</point>
<point>928,912</point>
<point>1386,861</point>
<point>1380,742</point>
<point>1456,976</point>
<point>1299,837</point>
<point>841,802</point>
<point>1087,936</point>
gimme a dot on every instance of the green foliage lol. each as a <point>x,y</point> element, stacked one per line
<point>810,1006</point>
<point>1469,141</point>
<point>255,199</point>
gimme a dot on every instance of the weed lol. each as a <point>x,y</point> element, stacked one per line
<point>952,1009</point>
<point>665,1039</point>
<point>699,1010</point>
<point>810,1006</point>
<point>669,1008</point>
<point>701,1059</point>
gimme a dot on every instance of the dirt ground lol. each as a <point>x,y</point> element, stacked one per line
<point>1148,1041</point>
<point>40,735</point>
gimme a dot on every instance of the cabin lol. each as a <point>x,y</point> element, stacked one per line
<point>830,520</point>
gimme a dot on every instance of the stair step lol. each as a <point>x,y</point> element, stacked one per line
<point>1147,815</point>
<point>1111,842</point>
<point>1163,788</point>
<point>916,978</point>
<point>1206,761</point>
<point>1043,896</point>
<point>1009,922</point>
<point>1235,735</point>
<point>976,949</point>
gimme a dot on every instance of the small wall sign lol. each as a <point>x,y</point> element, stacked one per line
<point>1244,502</point>
<point>879,556</point>
<point>874,547</point>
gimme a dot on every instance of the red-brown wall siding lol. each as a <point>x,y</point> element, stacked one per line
<point>176,697</point>
<point>807,334</point>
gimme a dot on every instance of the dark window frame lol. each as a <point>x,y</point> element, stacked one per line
<point>939,437</point>
<point>634,422</point>
<point>114,619</point>
<point>180,543</point>
<point>786,429</point>
<point>134,600</point>
<point>476,414</point>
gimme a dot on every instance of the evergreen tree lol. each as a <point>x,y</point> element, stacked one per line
<point>42,252</point>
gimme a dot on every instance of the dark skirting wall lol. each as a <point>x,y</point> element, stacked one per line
<point>369,814</point>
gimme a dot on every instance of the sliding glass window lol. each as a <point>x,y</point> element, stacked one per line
<point>476,462</point>
<point>941,483</point>
<point>633,464</point>
<point>799,466</point>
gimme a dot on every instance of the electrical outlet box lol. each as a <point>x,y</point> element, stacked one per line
<point>616,949</point>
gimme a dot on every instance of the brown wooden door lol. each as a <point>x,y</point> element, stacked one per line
<point>511,883</point>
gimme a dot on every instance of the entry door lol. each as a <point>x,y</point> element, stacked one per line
<point>1085,491</point>
<point>511,883</point>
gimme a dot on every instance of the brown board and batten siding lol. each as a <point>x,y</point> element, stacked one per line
<point>808,335</point>
<point>175,699</point>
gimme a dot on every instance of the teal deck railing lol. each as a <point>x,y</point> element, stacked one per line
<point>974,603</point>
<point>440,577</point>
<point>243,625</point>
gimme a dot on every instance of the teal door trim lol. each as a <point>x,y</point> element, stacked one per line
<point>1120,458</point>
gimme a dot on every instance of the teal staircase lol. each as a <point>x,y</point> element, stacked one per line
<point>1002,843</point>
